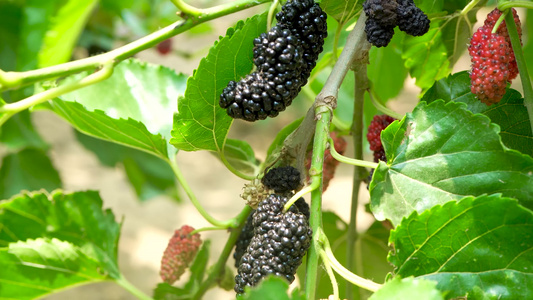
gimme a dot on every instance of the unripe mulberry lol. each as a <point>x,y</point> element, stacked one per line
<point>282,179</point>
<point>180,252</point>
<point>280,241</point>
<point>284,58</point>
<point>411,19</point>
<point>378,123</point>
<point>490,55</point>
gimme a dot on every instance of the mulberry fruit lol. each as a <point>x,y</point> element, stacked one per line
<point>282,179</point>
<point>284,58</point>
<point>247,232</point>
<point>377,34</point>
<point>382,11</point>
<point>279,243</point>
<point>378,123</point>
<point>490,55</point>
<point>411,19</point>
<point>180,252</point>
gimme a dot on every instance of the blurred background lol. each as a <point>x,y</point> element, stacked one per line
<point>149,220</point>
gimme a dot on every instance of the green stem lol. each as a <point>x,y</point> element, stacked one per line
<point>336,41</point>
<point>217,270</point>
<point>187,9</point>
<point>509,4</point>
<point>17,79</point>
<point>306,190</point>
<point>194,200</point>
<point>331,275</point>
<point>361,85</point>
<point>345,273</point>
<point>499,22</point>
<point>522,66</point>
<point>232,168</point>
<point>350,161</point>
<point>271,12</point>
<point>469,7</point>
<point>382,108</point>
<point>123,282</point>
<point>323,116</point>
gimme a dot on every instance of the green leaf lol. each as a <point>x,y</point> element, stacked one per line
<point>270,288</point>
<point>278,141</point>
<point>484,242</point>
<point>442,152</point>
<point>241,156</point>
<point>18,133</point>
<point>64,30</point>
<point>408,288</point>
<point>28,169</point>
<point>200,123</point>
<point>150,176</point>
<point>87,242</point>
<point>137,90</point>
<point>342,10</point>
<point>515,131</point>
<point>34,268</point>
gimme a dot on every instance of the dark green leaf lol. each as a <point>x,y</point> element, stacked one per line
<point>149,175</point>
<point>241,156</point>
<point>29,169</point>
<point>408,288</point>
<point>442,152</point>
<point>33,268</point>
<point>84,235</point>
<point>342,10</point>
<point>510,113</point>
<point>484,242</point>
<point>200,123</point>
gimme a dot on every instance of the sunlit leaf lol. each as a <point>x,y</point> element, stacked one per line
<point>408,288</point>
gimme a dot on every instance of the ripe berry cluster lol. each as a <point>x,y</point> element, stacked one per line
<point>179,253</point>
<point>493,60</point>
<point>278,244</point>
<point>284,58</point>
<point>378,123</point>
<point>384,15</point>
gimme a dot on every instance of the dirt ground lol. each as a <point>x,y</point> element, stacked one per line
<point>148,226</point>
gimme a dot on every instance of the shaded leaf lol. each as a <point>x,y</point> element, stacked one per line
<point>29,169</point>
<point>278,141</point>
<point>483,242</point>
<point>442,152</point>
<point>241,156</point>
<point>510,113</point>
<point>342,10</point>
<point>408,288</point>
<point>200,123</point>
<point>84,235</point>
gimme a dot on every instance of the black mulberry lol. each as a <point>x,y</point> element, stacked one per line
<point>377,34</point>
<point>382,11</point>
<point>284,58</point>
<point>279,243</point>
<point>411,19</point>
<point>247,232</point>
<point>282,179</point>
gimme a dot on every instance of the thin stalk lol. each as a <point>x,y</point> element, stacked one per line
<point>509,4</point>
<point>345,273</point>
<point>331,275</point>
<point>187,9</point>
<point>469,7</point>
<point>217,270</point>
<point>232,169</point>
<point>350,161</point>
<point>361,85</point>
<point>123,282</point>
<point>271,13</point>
<point>382,108</point>
<point>194,200</point>
<point>323,116</point>
<point>522,66</point>
<point>499,21</point>
<point>10,80</point>
<point>336,41</point>
<point>308,189</point>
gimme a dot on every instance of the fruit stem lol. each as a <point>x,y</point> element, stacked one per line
<point>469,7</point>
<point>181,179</point>
<point>123,282</point>
<point>382,108</point>
<point>331,275</point>
<point>359,173</point>
<point>499,22</point>
<point>271,12</point>
<point>12,108</point>
<point>218,268</point>
<point>345,273</point>
<point>350,161</point>
<point>509,4</point>
<point>306,190</point>
<point>522,66</point>
<point>323,116</point>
